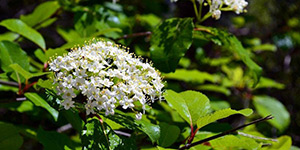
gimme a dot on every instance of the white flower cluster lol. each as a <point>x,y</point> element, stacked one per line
<point>108,76</point>
<point>237,6</point>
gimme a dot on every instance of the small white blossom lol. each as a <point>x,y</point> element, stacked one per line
<point>138,116</point>
<point>107,76</point>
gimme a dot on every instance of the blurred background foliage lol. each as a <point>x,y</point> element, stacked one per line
<point>269,31</point>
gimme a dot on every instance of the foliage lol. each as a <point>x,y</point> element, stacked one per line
<point>215,80</point>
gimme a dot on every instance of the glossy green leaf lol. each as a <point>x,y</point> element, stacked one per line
<point>191,105</point>
<point>11,53</point>
<point>220,114</point>
<point>98,135</point>
<point>168,134</point>
<point>214,88</point>
<point>266,105</point>
<point>228,40</point>
<point>23,29</point>
<point>169,42</point>
<point>152,130</point>
<point>219,104</point>
<point>10,138</point>
<point>8,36</point>
<point>40,13</point>
<point>192,76</point>
<point>27,75</point>
<point>53,140</point>
<point>283,143</point>
<point>230,142</point>
<point>39,101</point>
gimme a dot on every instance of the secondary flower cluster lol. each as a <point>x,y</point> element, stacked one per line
<point>108,76</point>
<point>237,6</point>
<point>216,6</point>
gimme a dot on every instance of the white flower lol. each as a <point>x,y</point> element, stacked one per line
<point>237,5</point>
<point>138,116</point>
<point>107,76</point>
<point>68,104</point>
<point>216,14</point>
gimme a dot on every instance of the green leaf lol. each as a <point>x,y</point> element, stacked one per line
<point>265,47</point>
<point>41,13</point>
<point>284,143</point>
<point>11,53</point>
<point>74,119</point>
<point>39,101</point>
<point>192,76</point>
<point>219,104</point>
<point>214,88</point>
<point>27,75</point>
<point>228,40</point>
<point>40,55</point>
<point>294,148</point>
<point>23,29</point>
<point>220,114</point>
<point>52,140</point>
<point>190,105</point>
<point>8,36</point>
<point>55,52</point>
<point>266,105</point>
<point>150,19</point>
<point>230,142</point>
<point>98,135</point>
<point>168,134</point>
<point>153,131</point>
<point>169,42</point>
<point>10,138</point>
<point>23,106</point>
<point>269,83</point>
<point>68,35</point>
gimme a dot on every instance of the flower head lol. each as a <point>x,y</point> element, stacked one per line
<point>107,76</point>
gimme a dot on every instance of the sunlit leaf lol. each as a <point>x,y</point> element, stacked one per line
<point>192,76</point>
<point>266,105</point>
<point>191,105</point>
<point>41,13</point>
<point>39,101</point>
<point>23,29</point>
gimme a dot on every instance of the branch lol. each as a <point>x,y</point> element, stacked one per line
<point>9,83</point>
<point>134,35</point>
<point>187,146</point>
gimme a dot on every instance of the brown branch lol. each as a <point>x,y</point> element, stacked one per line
<point>187,146</point>
<point>9,83</point>
<point>134,35</point>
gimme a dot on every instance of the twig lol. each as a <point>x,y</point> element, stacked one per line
<point>256,137</point>
<point>187,146</point>
<point>134,35</point>
<point>9,83</point>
